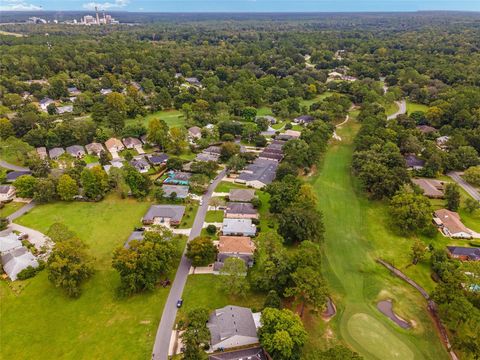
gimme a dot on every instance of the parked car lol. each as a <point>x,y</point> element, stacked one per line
<point>179,303</point>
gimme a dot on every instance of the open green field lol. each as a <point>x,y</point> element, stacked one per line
<point>173,118</point>
<point>412,107</point>
<point>205,290</point>
<point>317,98</point>
<point>39,322</point>
<point>356,234</point>
<point>10,208</point>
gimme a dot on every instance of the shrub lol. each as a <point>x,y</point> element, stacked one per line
<point>211,229</point>
<point>27,273</point>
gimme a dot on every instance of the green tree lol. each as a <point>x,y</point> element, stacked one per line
<point>178,141</point>
<point>235,271</point>
<point>249,113</point>
<point>471,175</point>
<point>139,184</point>
<point>309,288</point>
<point>282,334</point>
<point>418,251</point>
<point>299,222</point>
<point>69,265</point>
<point>452,196</point>
<point>25,186</point>
<point>471,205</point>
<point>45,190</point>
<point>59,232</point>
<point>201,251</point>
<point>195,334</point>
<point>410,212</point>
<point>94,182</point>
<point>6,129</point>
<point>158,133</point>
<point>67,188</point>
<point>228,150</point>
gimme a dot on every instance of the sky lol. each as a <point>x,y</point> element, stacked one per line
<point>242,5</point>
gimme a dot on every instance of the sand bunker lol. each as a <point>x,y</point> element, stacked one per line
<point>386,308</point>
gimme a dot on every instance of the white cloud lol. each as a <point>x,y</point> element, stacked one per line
<point>106,5</point>
<point>18,5</point>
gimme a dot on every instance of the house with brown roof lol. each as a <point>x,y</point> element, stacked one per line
<point>241,247</point>
<point>42,152</point>
<point>114,145</point>
<point>131,142</point>
<point>431,188</point>
<point>464,253</point>
<point>240,210</point>
<point>94,148</point>
<point>450,224</point>
<point>194,133</point>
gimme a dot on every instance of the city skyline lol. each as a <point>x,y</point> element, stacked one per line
<point>242,5</point>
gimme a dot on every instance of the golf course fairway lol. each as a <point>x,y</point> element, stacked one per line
<point>353,239</point>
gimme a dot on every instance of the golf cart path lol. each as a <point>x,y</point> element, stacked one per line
<point>402,109</point>
<point>335,135</point>
<point>9,166</point>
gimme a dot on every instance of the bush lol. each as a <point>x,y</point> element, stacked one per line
<point>475,243</point>
<point>211,229</point>
<point>27,273</point>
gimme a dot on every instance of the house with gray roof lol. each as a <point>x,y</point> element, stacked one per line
<point>64,109</point>
<point>141,165</point>
<point>76,151</point>
<point>14,175</point>
<point>55,153</point>
<point>464,253</point>
<point>262,172</point>
<point>240,210</point>
<point>131,142</point>
<point>8,243</point>
<point>414,162</point>
<point>194,133</point>
<point>7,192</point>
<point>304,119</point>
<point>256,353</point>
<point>207,157</point>
<point>164,215</point>
<point>241,195</point>
<point>94,148</point>
<point>232,326</point>
<point>180,191</point>
<point>238,227</point>
<point>17,260</point>
<point>157,159</point>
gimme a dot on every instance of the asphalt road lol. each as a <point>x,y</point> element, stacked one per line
<point>9,166</point>
<point>466,186</point>
<point>164,332</point>
<point>21,211</point>
<point>402,109</point>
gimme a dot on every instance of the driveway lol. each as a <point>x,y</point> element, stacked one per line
<point>35,237</point>
<point>22,211</point>
<point>9,166</point>
<point>402,109</point>
<point>473,192</point>
<point>164,332</point>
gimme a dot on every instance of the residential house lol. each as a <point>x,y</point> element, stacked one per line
<point>177,178</point>
<point>289,135</point>
<point>241,195</point>
<point>55,153</point>
<point>259,174</point>
<point>64,109</point>
<point>9,243</point>
<point>164,215</point>
<point>14,175</point>
<point>271,155</point>
<point>431,188</point>
<point>425,129</point>
<point>304,119</point>
<point>413,162</point>
<point>213,150</point>
<point>464,253</point>
<point>194,133</point>
<point>17,260</point>
<point>240,210</point>
<point>73,91</point>
<point>451,225</point>
<point>180,191</point>
<point>132,143</point>
<point>442,142</point>
<point>105,91</point>
<point>271,120</point>
<point>76,151</point>
<point>42,152</point>
<point>193,81</point>
<point>45,102</point>
<point>256,353</point>
<point>241,247</point>
<point>207,157</point>
<point>114,146</point>
<point>7,193</point>
<point>158,159</point>
<point>141,165</point>
<point>232,326</point>
<point>94,148</point>
<point>238,227</point>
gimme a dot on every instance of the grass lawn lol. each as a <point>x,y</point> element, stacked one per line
<point>225,186</point>
<point>189,216</point>
<point>90,159</point>
<point>40,322</point>
<point>317,98</point>
<point>357,232</point>
<point>412,107</point>
<point>391,109</point>
<point>214,216</point>
<point>205,290</point>
<point>173,118</point>
<point>264,110</point>
<point>10,208</point>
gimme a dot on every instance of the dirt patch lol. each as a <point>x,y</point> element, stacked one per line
<point>386,308</point>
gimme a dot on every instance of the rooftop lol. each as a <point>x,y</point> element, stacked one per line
<point>173,212</point>
<point>451,220</point>
<point>240,208</point>
<point>231,321</point>
<point>471,252</point>
<point>236,244</point>
<point>241,195</point>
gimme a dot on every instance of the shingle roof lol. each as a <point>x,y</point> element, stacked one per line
<point>174,212</point>
<point>240,208</point>
<point>4,189</point>
<point>16,261</point>
<point>431,187</point>
<point>157,159</point>
<point>413,161</point>
<point>181,191</point>
<point>451,220</point>
<point>250,354</point>
<point>131,141</point>
<point>94,148</point>
<point>238,226</point>
<point>55,152</point>
<point>14,175</point>
<point>9,242</point>
<point>241,194</point>
<point>236,244</point>
<point>262,170</point>
<point>231,321</point>
<point>472,253</point>
<point>75,150</point>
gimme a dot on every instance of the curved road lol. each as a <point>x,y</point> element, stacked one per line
<point>9,166</point>
<point>402,109</point>
<point>164,332</point>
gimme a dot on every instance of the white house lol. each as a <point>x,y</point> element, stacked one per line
<point>7,192</point>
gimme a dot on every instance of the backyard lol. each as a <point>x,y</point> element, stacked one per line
<point>352,243</point>
<point>10,208</point>
<point>39,322</point>
<point>172,117</point>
